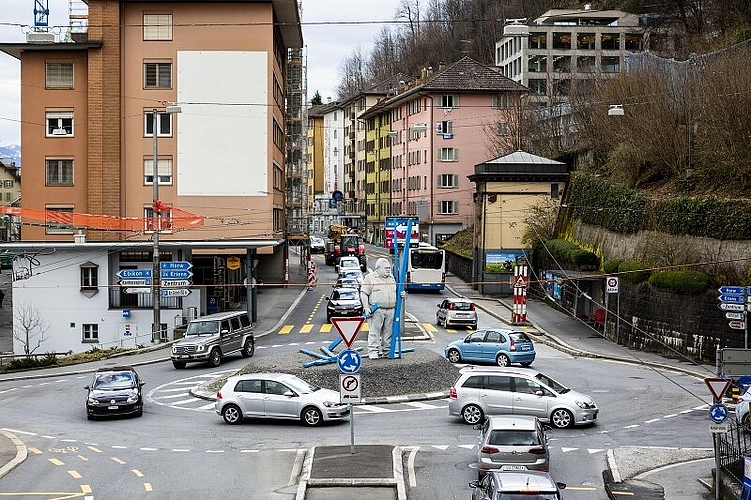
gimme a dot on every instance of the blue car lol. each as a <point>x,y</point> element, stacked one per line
<point>494,345</point>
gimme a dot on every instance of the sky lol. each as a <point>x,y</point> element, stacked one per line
<point>332,30</point>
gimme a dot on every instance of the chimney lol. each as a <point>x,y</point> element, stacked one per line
<point>441,65</point>
<point>587,6</point>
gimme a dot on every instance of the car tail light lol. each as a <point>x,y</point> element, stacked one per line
<point>451,306</point>
<point>452,393</point>
<point>472,306</point>
<point>218,395</point>
<point>513,345</point>
<point>539,450</point>
<point>409,277</point>
<point>489,449</point>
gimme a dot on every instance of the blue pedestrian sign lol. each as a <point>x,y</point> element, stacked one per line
<point>175,265</point>
<point>718,413</point>
<point>349,361</point>
<point>134,273</point>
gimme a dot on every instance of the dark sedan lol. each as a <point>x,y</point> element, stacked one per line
<point>114,391</point>
<point>343,302</point>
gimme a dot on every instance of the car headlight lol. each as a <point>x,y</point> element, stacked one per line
<point>132,398</point>
<point>92,401</point>
<point>174,350</point>
<point>330,404</point>
<point>200,348</point>
<point>584,405</point>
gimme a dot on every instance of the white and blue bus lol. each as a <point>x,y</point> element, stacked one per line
<point>426,268</point>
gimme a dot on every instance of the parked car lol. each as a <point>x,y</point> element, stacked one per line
<point>741,410</point>
<point>277,395</point>
<point>343,302</point>
<point>210,338</point>
<point>493,345</point>
<point>115,390</point>
<point>530,485</point>
<point>480,392</point>
<point>317,245</point>
<point>456,312</point>
<point>512,443</point>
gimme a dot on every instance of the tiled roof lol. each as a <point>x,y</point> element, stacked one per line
<point>522,157</point>
<point>322,109</point>
<point>469,75</point>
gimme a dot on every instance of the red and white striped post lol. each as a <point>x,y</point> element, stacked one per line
<point>311,272</point>
<point>520,282</point>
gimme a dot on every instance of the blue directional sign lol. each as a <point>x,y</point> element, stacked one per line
<point>718,413</point>
<point>349,361</point>
<point>167,274</point>
<point>175,265</point>
<point>736,299</point>
<point>134,273</point>
<point>732,290</point>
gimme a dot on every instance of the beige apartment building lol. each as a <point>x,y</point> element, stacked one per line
<point>208,78</point>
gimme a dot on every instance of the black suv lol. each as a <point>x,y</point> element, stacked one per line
<point>114,391</point>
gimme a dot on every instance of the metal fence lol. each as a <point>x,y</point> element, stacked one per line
<point>732,447</point>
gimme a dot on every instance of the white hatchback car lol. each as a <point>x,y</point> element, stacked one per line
<point>278,395</point>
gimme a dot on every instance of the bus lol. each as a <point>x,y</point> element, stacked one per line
<point>426,268</point>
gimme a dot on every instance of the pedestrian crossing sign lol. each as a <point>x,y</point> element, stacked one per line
<point>348,328</point>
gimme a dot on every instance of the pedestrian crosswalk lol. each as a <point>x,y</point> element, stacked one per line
<point>312,328</point>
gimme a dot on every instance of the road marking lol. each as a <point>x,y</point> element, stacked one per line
<point>147,487</point>
<point>326,328</point>
<point>95,450</point>
<point>74,474</point>
<point>55,461</point>
<point>137,472</point>
<point>429,327</point>
<point>117,460</point>
<point>306,328</point>
<point>286,329</point>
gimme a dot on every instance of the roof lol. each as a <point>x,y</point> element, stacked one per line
<point>15,49</point>
<point>466,74</point>
<point>530,480</point>
<point>520,166</point>
<point>219,315</point>
<point>523,422</point>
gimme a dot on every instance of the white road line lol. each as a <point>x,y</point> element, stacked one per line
<point>373,409</point>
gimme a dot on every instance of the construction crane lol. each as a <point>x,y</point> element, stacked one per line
<point>41,13</point>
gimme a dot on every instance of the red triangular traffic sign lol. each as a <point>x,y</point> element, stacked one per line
<point>718,387</point>
<point>348,328</point>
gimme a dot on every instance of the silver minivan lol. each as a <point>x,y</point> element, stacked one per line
<point>479,392</point>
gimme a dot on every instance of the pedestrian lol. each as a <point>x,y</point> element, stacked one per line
<point>378,291</point>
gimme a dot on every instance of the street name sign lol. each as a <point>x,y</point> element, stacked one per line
<point>732,307</point>
<point>134,273</point>
<point>143,282</point>
<point>734,299</point>
<point>175,265</point>
<point>735,290</point>
<point>718,387</point>
<point>735,315</point>
<point>175,292</point>
<point>348,328</point>
<point>168,274</point>
<point>175,283</point>
<point>719,428</point>
<point>737,325</point>
<point>137,290</point>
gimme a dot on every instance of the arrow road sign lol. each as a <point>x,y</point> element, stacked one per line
<point>731,307</point>
<point>175,283</point>
<point>175,292</point>
<point>350,389</point>
<point>349,361</point>
<point>737,325</point>
<point>736,299</point>
<point>348,328</point>
<point>718,413</point>
<point>734,315</point>
<point>735,290</point>
<point>134,273</point>
<point>143,282</point>
<point>175,266</point>
<point>718,387</point>
<point>167,274</point>
<point>137,290</point>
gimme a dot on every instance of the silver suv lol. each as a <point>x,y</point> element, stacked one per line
<point>479,392</point>
<point>212,337</point>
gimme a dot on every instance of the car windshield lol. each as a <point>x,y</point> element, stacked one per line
<point>345,294</point>
<point>349,263</point>
<point>202,328</point>
<point>113,381</point>
<point>556,386</point>
<point>300,386</point>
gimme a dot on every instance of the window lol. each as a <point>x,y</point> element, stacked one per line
<point>448,181</point>
<point>59,123</point>
<point>90,332</point>
<point>59,172</point>
<point>164,171</point>
<point>163,119</point>
<point>611,64</point>
<point>501,101</point>
<point>554,193</point>
<point>585,41</point>
<point>448,207</point>
<point>163,223</point>
<point>538,86</point>
<point>59,75</point>
<point>157,75</point>
<point>610,41</point>
<point>562,64</point>
<point>447,154</point>
<point>89,276</point>
<point>448,101</point>
<point>561,40</point>
<point>157,26</point>
<point>8,184</point>
<point>538,40</point>
<point>585,64</point>
<point>445,127</point>
<point>633,42</point>
<point>537,64</point>
<point>58,219</point>
<point>501,128</point>
<point>278,175</point>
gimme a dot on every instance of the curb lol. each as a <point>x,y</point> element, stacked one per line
<point>21,453</point>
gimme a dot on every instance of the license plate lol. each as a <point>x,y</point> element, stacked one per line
<point>513,467</point>
<point>525,348</point>
<point>112,407</point>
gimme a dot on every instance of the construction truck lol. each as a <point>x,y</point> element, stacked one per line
<point>343,242</point>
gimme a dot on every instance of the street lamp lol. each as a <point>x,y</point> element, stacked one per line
<point>157,224</point>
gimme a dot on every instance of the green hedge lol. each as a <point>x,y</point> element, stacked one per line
<point>597,201</point>
<point>565,251</point>
<point>685,281</point>
<point>610,266</point>
<point>635,271</point>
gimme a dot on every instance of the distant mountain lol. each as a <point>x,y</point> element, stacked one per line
<point>11,155</point>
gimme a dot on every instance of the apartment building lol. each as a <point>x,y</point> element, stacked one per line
<point>437,130</point>
<point>325,157</point>
<point>567,48</point>
<point>190,95</point>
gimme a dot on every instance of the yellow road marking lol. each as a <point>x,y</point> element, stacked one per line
<point>364,328</point>
<point>147,487</point>
<point>306,328</point>
<point>74,474</point>
<point>86,488</point>
<point>286,329</point>
<point>137,472</point>
<point>429,327</point>
<point>55,461</point>
<point>96,450</point>
<point>36,451</point>
<point>117,460</point>
<point>326,328</point>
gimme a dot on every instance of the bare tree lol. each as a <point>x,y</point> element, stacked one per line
<point>351,75</point>
<point>540,223</point>
<point>30,328</point>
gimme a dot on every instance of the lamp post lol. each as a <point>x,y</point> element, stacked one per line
<point>157,223</point>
